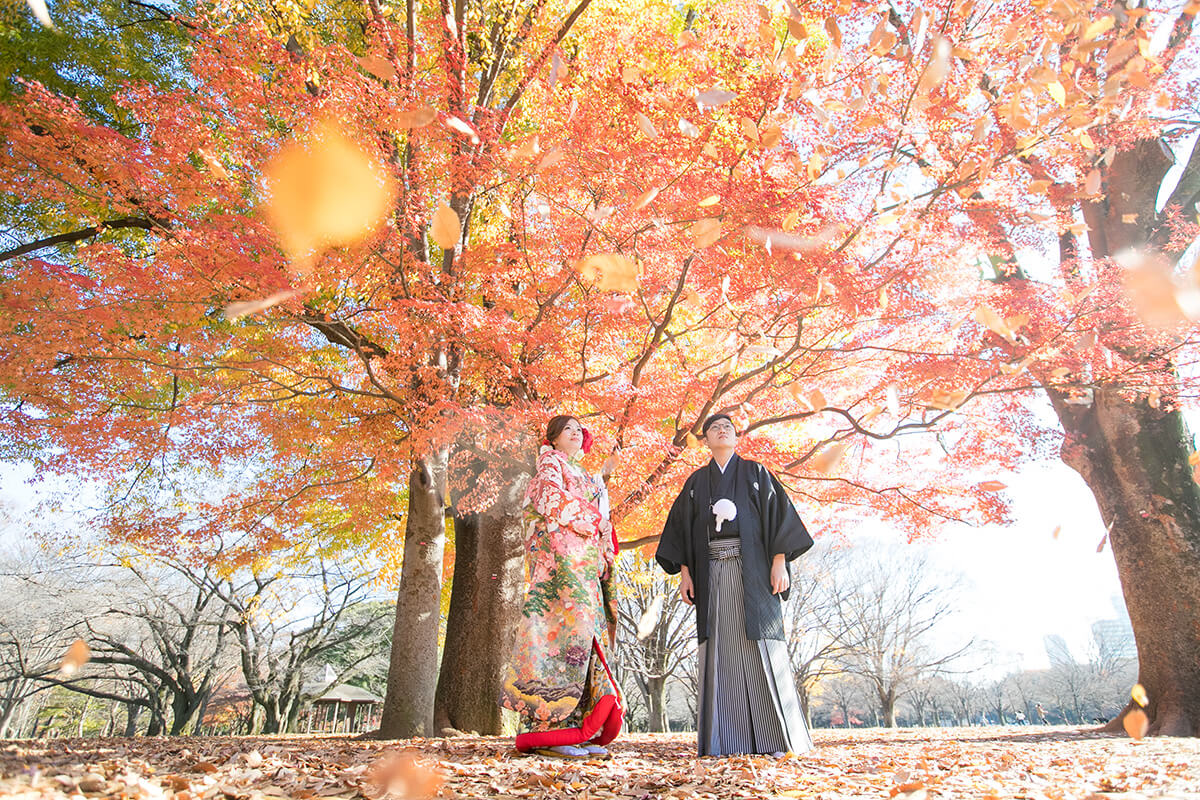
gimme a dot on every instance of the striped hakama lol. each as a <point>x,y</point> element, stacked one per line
<point>748,700</point>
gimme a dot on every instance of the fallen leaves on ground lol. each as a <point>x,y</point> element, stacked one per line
<point>1038,763</point>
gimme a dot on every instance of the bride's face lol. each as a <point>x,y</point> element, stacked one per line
<point>571,438</point>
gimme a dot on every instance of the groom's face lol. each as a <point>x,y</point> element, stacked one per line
<point>721,434</point>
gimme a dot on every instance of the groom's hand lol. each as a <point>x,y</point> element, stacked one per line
<point>779,576</point>
<point>686,591</point>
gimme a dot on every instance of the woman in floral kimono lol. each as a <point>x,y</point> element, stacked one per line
<point>558,678</point>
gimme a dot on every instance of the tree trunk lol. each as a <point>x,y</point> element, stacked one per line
<point>1134,457</point>
<point>1135,460</point>
<point>656,700</point>
<point>132,710</point>
<point>485,608</point>
<point>412,672</point>
<point>887,708</point>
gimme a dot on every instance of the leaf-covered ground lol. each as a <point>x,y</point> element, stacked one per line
<point>911,764</point>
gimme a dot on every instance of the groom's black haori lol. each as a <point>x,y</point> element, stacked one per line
<point>767,524</point>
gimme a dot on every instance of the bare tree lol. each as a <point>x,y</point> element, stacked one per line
<point>846,695</point>
<point>285,621</point>
<point>819,634</point>
<point>656,636</point>
<point>156,640</point>
<point>897,602</point>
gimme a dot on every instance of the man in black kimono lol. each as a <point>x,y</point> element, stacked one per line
<point>730,535</point>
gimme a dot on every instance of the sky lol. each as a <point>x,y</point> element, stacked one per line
<point>1024,581</point>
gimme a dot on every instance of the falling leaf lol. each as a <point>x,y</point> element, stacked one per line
<point>796,29</point>
<point>939,65</point>
<point>712,98</point>
<point>828,458</point>
<point>610,271</point>
<point>986,316</point>
<point>446,227</point>
<point>645,199</point>
<point>993,486</point>
<point>711,200</point>
<point>214,164</point>
<point>1103,541</point>
<point>1136,723</point>
<point>781,240</point>
<point>893,400</point>
<point>38,7</point>
<point>1091,184</point>
<point>692,440</point>
<point>688,129</point>
<point>528,149</point>
<point>325,192</point>
<point>749,129</point>
<point>77,655</point>
<point>646,126</point>
<point>878,37</point>
<point>1057,530</point>
<point>796,390</point>
<point>417,117</point>
<point>650,617</point>
<point>1058,92</point>
<point>401,775</point>
<point>245,307</point>
<point>459,126</point>
<point>981,129</point>
<point>946,400</point>
<point>631,75</point>
<point>816,400</point>
<point>706,232</point>
<point>1151,288</point>
<point>764,349</point>
<point>771,136</point>
<point>379,67</point>
<point>551,159</point>
<point>1098,27</point>
<point>1138,693</point>
<point>814,166</point>
<point>835,33</point>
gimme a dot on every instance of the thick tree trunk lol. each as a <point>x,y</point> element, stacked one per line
<point>485,607</point>
<point>1135,460</point>
<point>412,672</point>
<point>1134,457</point>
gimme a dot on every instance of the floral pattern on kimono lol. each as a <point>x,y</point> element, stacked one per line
<point>569,543</point>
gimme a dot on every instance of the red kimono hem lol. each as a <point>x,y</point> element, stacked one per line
<point>601,725</point>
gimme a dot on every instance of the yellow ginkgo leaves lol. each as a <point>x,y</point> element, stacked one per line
<point>610,271</point>
<point>325,192</point>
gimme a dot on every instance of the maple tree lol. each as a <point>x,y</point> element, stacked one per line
<point>638,215</point>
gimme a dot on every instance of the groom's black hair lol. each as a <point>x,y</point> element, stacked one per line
<point>708,423</point>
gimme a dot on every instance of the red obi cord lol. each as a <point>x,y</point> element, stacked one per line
<point>601,725</point>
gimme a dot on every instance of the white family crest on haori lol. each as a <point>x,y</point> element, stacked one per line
<point>724,510</point>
